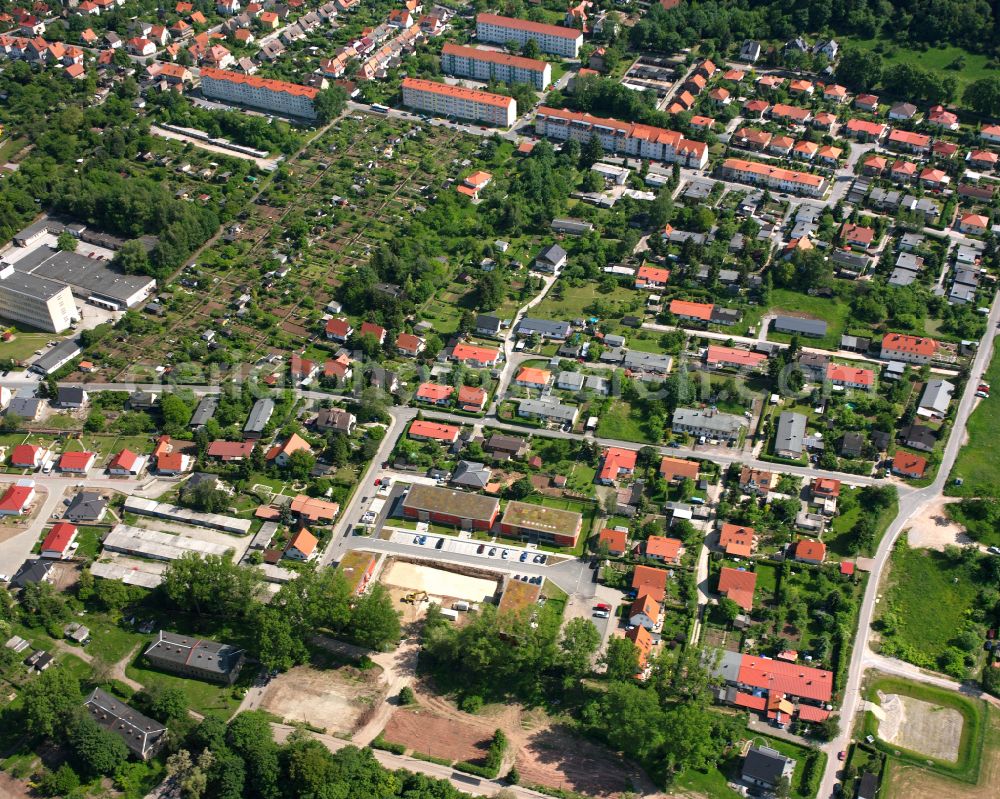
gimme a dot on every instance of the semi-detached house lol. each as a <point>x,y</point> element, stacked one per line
<point>554,39</point>
<point>710,423</point>
<point>627,138</point>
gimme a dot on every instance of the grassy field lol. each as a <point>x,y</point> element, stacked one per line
<point>927,601</point>
<point>834,312</point>
<point>577,301</point>
<point>621,423</point>
<point>839,539</point>
<point>974,464</point>
<point>24,344</point>
<point>973,711</point>
<point>936,59</point>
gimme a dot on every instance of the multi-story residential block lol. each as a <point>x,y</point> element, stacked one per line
<point>444,100</point>
<point>772,177</point>
<point>272,95</point>
<point>549,38</point>
<point>643,141</point>
<point>468,62</point>
<point>910,349</point>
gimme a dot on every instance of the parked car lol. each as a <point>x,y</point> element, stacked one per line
<point>524,557</point>
<point>480,549</point>
<point>601,614</point>
<point>492,552</point>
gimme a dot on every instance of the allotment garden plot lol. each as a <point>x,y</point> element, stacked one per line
<point>262,286</point>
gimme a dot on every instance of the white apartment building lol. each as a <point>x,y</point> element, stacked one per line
<point>36,301</point>
<point>772,177</point>
<point>272,95</point>
<point>441,99</point>
<point>554,39</point>
<point>643,141</point>
<point>468,62</point>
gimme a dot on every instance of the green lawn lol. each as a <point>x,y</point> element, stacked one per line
<point>713,783</point>
<point>833,311</point>
<point>927,602</point>
<point>580,301</point>
<point>935,59</point>
<point>839,540</point>
<point>24,344</point>
<point>202,697</point>
<point>975,464</point>
<point>621,423</point>
<point>970,749</point>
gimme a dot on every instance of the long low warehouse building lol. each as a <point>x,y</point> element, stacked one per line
<point>90,278</point>
<point>444,100</point>
<point>627,138</point>
<point>163,510</point>
<point>448,506</point>
<point>128,571</point>
<point>157,546</point>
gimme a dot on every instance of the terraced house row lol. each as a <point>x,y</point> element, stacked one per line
<point>628,138</point>
<point>772,177</point>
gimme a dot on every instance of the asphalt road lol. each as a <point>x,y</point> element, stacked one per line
<point>910,505</point>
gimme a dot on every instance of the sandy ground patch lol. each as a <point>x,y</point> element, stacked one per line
<point>933,529</point>
<point>334,699</point>
<point>11,788</point>
<point>904,781</point>
<point>555,758</point>
<point>438,582</point>
<point>424,731</point>
<point>921,726</point>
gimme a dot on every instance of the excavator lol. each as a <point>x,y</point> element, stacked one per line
<point>415,597</point>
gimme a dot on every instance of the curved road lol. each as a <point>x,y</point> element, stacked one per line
<point>910,505</point>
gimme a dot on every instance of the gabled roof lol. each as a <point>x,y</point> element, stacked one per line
<point>738,585</point>
<point>777,676</point>
<point>615,539</point>
<point>434,392</point>
<point>75,460</point>
<point>807,549</point>
<point>658,546</point>
<point>736,539</point>
<point>124,460</point>
<point>304,541</point>
<point>59,537</point>
<point>616,460</point>
<point>672,468</point>
<point>696,310</point>
<point>647,580</point>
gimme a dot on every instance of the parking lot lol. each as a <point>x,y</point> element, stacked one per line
<point>500,554</point>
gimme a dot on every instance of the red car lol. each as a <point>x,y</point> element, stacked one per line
<point>603,606</point>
